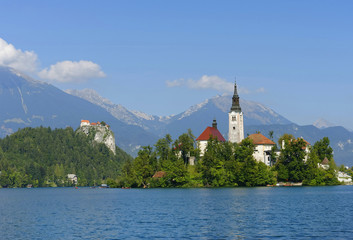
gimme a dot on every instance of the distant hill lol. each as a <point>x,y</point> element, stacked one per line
<point>44,157</point>
<point>30,103</point>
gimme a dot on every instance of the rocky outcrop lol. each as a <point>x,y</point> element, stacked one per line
<point>100,134</point>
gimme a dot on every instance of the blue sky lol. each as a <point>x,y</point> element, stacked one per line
<point>161,57</point>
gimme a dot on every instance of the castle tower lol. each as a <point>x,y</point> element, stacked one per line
<point>236,123</point>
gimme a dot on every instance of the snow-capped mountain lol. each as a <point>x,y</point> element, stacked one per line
<point>196,117</point>
<point>257,117</point>
<point>143,120</point>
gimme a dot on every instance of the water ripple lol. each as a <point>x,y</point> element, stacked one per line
<point>230,213</point>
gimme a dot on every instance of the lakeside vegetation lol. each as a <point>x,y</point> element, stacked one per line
<point>226,164</point>
<point>43,157</point>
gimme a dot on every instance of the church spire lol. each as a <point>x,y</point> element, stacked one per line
<point>214,123</point>
<point>235,99</point>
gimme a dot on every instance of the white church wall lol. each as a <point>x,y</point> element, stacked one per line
<point>260,153</point>
<point>236,127</point>
<point>202,146</point>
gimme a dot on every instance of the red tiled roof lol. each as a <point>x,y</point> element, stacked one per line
<point>259,139</point>
<point>325,161</point>
<point>93,123</point>
<point>159,174</point>
<point>85,121</point>
<point>306,142</point>
<point>211,132</point>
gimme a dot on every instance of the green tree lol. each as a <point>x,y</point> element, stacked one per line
<point>285,139</point>
<point>145,165</point>
<point>323,150</point>
<point>212,165</point>
<point>185,145</point>
<point>291,160</point>
<point>163,149</point>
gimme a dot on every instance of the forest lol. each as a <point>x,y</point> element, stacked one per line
<point>42,157</point>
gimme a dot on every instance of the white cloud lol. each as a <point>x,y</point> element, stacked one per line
<point>212,82</point>
<point>205,82</point>
<point>11,57</point>
<point>65,71</point>
<point>242,90</point>
<point>175,83</point>
<point>68,71</point>
<point>260,90</point>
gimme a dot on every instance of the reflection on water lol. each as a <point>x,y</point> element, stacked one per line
<point>228,213</point>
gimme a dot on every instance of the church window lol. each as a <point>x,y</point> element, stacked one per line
<point>233,128</point>
<point>234,118</point>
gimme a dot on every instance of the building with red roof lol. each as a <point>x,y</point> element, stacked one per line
<point>206,135</point>
<point>263,147</point>
<point>85,123</point>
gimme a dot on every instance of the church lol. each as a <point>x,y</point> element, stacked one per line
<point>236,126</point>
<point>235,119</point>
<point>236,133</point>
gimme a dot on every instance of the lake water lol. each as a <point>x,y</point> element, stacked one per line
<point>228,213</point>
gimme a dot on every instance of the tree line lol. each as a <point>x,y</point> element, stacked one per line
<point>226,164</point>
<point>43,157</point>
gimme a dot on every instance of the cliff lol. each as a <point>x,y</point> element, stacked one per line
<point>100,134</point>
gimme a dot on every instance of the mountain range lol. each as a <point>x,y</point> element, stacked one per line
<point>27,102</point>
<point>197,117</point>
<point>257,118</point>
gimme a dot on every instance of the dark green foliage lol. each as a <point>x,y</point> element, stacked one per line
<point>44,157</point>
<point>323,150</point>
<point>292,166</point>
<point>213,164</point>
<point>223,164</point>
<point>145,165</point>
<point>186,145</point>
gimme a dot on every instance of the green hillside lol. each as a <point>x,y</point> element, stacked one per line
<point>43,157</point>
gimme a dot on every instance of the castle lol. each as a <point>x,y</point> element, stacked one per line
<point>100,132</point>
<point>88,123</point>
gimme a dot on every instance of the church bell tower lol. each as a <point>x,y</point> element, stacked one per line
<point>236,123</point>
